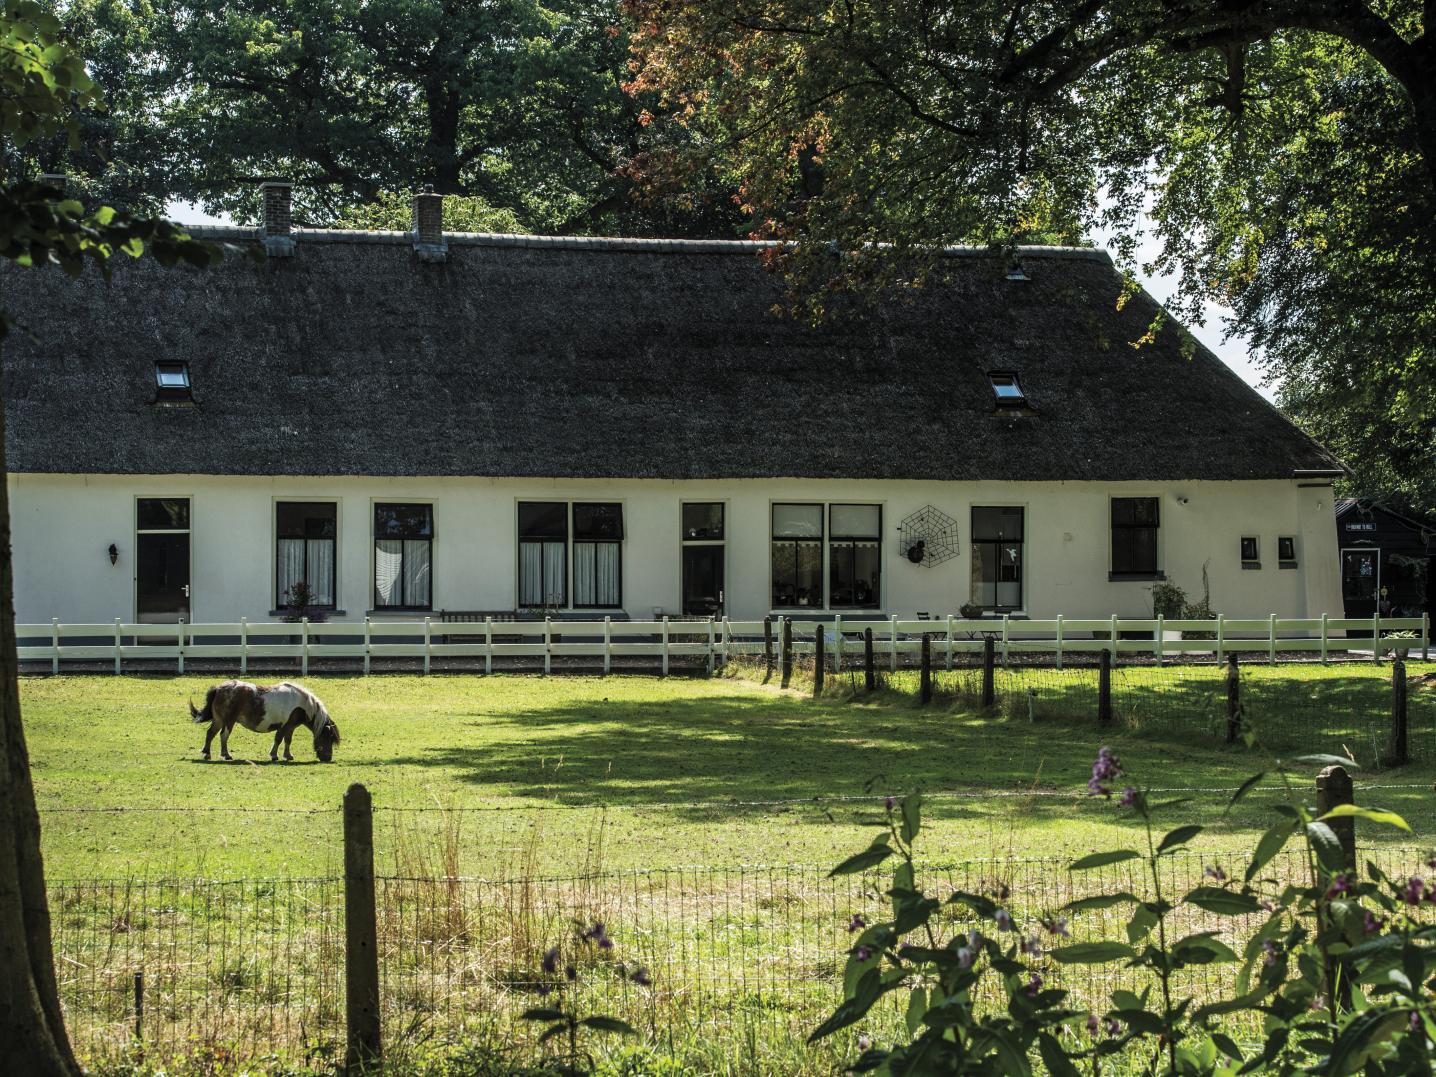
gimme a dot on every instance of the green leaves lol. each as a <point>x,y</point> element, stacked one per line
<point>1223,902</point>
<point>1245,788</point>
<point>870,857</point>
<point>911,810</point>
<point>608,1024</point>
<point>1328,847</point>
<point>1372,815</point>
<point>1092,953</point>
<point>1100,901</point>
<point>1178,837</point>
<point>1360,1034</point>
<point>1101,860</point>
<point>1270,844</point>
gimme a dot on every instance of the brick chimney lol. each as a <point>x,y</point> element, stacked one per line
<point>275,225</point>
<point>429,242</point>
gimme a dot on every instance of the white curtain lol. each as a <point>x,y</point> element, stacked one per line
<point>321,571</point>
<point>416,572</point>
<point>388,562</point>
<point>531,574</point>
<point>607,574</point>
<point>595,573</point>
<point>291,567</point>
<point>553,571</point>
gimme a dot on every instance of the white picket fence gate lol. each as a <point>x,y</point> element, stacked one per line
<point>896,641</point>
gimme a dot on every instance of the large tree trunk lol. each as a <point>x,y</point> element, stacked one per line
<point>32,1031</point>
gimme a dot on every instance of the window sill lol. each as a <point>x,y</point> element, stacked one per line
<point>400,611</point>
<point>1126,577</point>
<point>1286,564</point>
<point>1251,566</point>
<point>328,611</point>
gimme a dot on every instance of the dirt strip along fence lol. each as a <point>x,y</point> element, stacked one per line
<point>252,969</point>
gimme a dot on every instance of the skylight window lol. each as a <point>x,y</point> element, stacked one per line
<point>1007,389</point>
<point>172,382</point>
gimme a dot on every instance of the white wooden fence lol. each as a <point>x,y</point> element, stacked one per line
<point>895,641</point>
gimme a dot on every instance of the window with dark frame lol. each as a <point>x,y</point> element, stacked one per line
<point>855,556</point>
<point>797,551</point>
<point>997,538</point>
<point>403,556</point>
<point>702,520</point>
<point>597,555</point>
<point>1251,550</point>
<point>543,554</point>
<point>1006,388</point>
<point>172,382</point>
<point>305,536</point>
<point>1286,551</point>
<point>703,551</point>
<point>1135,522</point>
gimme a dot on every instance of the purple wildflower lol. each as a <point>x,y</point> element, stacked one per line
<point>1114,1027</point>
<point>965,957</point>
<point>1004,920</point>
<point>1372,923</point>
<point>862,953</point>
<point>974,938</point>
<point>1093,1024</point>
<point>890,803</point>
<point>1216,874</point>
<point>1034,984</point>
<point>641,977</point>
<point>1266,905</point>
<point>857,923</point>
<point>1129,798</point>
<point>598,934</point>
<point>1032,946</point>
<point>1107,767</point>
<point>1057,925</point>
<point>1340,884</point>
<point>1270,953</point>
<point>864,1042</point>
<point>571,972</point>
<point>542,990</point>
<point>1414,887</point>
<point>1415,1023</point>
<point>550,961</point>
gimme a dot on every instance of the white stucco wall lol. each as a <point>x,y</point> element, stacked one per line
<point>63,525</point>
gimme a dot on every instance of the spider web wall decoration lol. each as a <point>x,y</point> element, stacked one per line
<point>928,536</point>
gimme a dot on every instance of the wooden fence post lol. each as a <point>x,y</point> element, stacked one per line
<point>1271,641</point>
<point>870,674</point>
<point>893,663</point>
<point>837,643</point>
<point>785,645</point>
<point>304,646</point>
<point>1234,699</point>
<point>243,646</point>
<point>1059,641</point>
<point>179,662</point>
<point>949,642</point>
<point>1104,687</point>
<point>1333,787</point>
<point>818,658</point>
<point>361,934</point>
<point>1325,637</point>
<point>924,690</point>
<point>768,645</point>
<point>548,646</point>
<point>428,646</point>
<point>140,1007</point>
<point>1400,752</point>
<point>117,646</point>
<point>368,645</point>
<point>989,659</point>
<point>607,644</point>
<point>488,644</point>
<point>710,647</point>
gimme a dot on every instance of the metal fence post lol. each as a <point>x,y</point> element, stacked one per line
<point>54,646</point>
<point>1004,641</point>
<point>1158,638</point>
<point>870,674</point>
<point>1115,632</point>
<point>1104,686</point>
<point>924,690</point>
<point>837,643</point>
<point>368,644</point>
<point>1221,637</point>
<point>768,644</point>
<point>1376,637</point>
<point>1234,699</point>
<point>1325,636</point>
<point>1426,637</point>
<point>893,661</point>
<point>949,642</point>
<point>989,660</point>
<point>1400,751</point>
<point>361,935</point>
<point>140,1007</point>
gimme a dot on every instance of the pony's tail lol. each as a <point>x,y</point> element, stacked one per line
<point>198,716</point>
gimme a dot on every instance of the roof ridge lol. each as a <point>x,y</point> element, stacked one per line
<point>601,243</point>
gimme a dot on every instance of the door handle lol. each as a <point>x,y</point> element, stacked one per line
<point>186,590</point>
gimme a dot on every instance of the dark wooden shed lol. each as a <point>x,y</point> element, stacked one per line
<point>1385,560</point>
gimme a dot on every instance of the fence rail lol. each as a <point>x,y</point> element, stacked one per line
<point>711,643</point>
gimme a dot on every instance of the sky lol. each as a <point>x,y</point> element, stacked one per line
<point>1232,352</point>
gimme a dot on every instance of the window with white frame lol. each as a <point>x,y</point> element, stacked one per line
<point>855,556</point>
<point>403,556</point>
<point>305,534</point>
<point>846,538</point>
<point>997,537</point>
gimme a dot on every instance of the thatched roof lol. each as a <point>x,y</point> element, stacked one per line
<point>614,358</point>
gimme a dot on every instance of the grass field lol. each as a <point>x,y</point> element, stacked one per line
<point>680,771</point>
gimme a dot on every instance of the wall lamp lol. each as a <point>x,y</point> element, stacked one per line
<point>114,553</point>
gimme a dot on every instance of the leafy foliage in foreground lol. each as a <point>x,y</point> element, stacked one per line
<point>1339,971</point>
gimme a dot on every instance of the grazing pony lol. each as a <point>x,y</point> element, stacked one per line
<point>279,707</point>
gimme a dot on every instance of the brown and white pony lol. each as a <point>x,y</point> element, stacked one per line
<point>279,707</point>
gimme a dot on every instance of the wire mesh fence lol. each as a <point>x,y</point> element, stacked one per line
<point>742,961</point>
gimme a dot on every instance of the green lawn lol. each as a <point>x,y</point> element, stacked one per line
<point>666,770</point>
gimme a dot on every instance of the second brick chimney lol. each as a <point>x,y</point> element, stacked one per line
<point>276,224</point>
<point>429,242</point>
